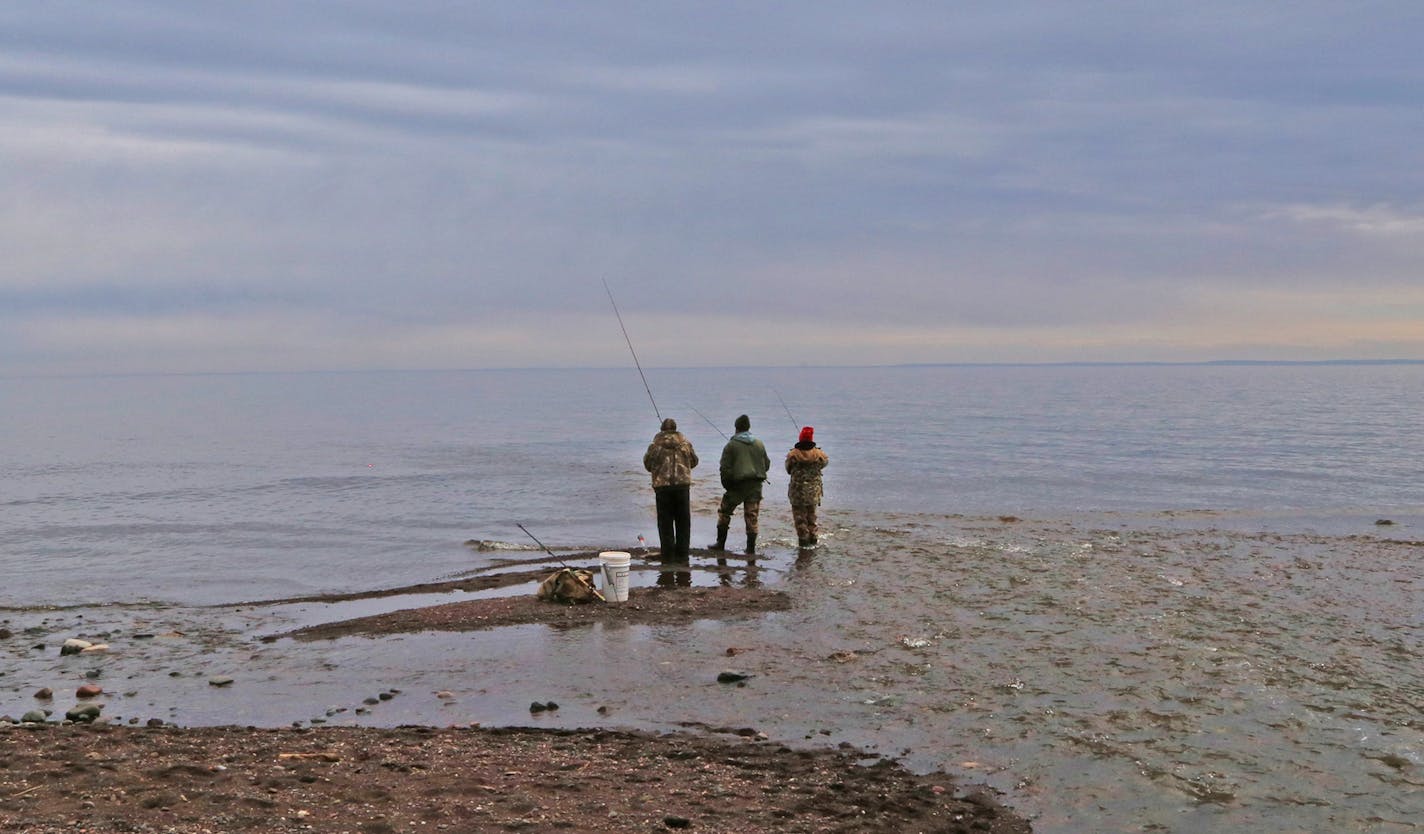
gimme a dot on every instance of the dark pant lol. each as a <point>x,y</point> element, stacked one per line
<point>674,522</point>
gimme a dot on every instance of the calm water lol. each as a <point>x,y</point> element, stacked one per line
<point>1196,626</point>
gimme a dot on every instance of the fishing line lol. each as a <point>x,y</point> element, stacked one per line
<point>636,363</point>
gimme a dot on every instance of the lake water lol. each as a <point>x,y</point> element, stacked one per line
<point>1194,624</point>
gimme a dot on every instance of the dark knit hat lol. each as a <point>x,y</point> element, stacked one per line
<point>806,434</point>
<point>744,423</point>
<point>669,424</point>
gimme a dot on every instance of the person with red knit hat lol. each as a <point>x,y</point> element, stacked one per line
<point>804,464</point>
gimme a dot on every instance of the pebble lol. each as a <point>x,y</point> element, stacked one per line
<point>89,690</point>
<point>74,646</point>
<point>6,634</point>
<point>34,716</point>
<point>45,694</point>
<point>85,714</point>
<point>220,680</point>
<point>731,676</point>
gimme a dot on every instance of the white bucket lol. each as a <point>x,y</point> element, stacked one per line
<point>615,575</point>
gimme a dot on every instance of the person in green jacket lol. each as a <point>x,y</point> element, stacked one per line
<point>744,467</point>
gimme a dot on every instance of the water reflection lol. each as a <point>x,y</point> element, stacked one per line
<point>750,576</point>
<point>674,578</point>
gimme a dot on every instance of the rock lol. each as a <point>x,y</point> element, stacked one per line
<point>550,705</point>
<point>44,694</point>
<point>445,695</point>
<point>85,714</point>
<point>1383,522</point>
<point>74,646</point>
<point>386,696</point>
<point>536,707</point>
<point>677,822</point>
<point>220,680</point>
<point>97,648</point>
<point>6,634</point>
<point>89,690</point>
<point>731,676</point>
<point>34,716</point>
<point>154,722</point>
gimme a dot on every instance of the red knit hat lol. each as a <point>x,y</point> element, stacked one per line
<point>806,434</point>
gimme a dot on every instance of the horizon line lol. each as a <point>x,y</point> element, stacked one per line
<point>802,366</point>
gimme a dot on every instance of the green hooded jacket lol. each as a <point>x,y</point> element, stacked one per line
<point>744,459</point>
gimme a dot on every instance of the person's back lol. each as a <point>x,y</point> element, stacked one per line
<point>744,458</point>
<point>804,464</point>
<point>743,468</point>
<point>670,460</point>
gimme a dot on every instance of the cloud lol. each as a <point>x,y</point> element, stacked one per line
<point>1376,221</point>
<point>1028,178</point>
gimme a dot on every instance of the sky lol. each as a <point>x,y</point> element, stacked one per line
<point>194,186</point>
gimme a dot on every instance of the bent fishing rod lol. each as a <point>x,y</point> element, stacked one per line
<point>636,363</point>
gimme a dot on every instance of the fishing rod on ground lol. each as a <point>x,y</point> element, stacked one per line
<point>636,363</point>
<point>541,544</point>
<point>560,561</point>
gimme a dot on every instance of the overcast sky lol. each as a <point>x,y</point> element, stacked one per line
<point>220,186</point>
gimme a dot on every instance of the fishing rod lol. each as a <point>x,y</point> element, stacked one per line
<point>636,363</point>
<point>561,561</point>
<point>541,544</point>
<point>709,421</point>
<point>794,424</point>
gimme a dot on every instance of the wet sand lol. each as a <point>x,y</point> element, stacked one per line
<point>102,777</point>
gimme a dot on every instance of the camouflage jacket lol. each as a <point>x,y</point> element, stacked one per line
<point>670,459</point>
<point>804,466</point>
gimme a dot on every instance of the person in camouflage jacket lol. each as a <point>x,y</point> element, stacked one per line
<point>804,464</point>
<point>670,459</point>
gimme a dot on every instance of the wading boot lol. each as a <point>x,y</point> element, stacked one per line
<point>721,543</point>
<point>751,544</point>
